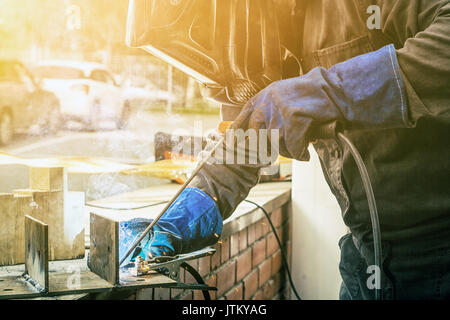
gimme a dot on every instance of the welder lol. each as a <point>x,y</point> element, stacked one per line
<point>386,82</point>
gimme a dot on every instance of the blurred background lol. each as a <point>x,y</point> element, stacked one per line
<point>70,88</point>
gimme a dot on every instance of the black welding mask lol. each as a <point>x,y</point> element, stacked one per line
<point>234,48</point>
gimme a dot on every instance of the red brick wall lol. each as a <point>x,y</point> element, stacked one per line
<point>247,264</point>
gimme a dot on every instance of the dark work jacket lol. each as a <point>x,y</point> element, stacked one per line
<point>409,167</point>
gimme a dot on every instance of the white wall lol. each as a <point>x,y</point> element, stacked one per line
<point>317,227</point>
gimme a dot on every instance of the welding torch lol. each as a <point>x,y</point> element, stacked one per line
<point>223,126</point>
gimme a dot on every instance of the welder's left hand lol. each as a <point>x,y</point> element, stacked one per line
<point>191,223</point>
<point>365,92</point>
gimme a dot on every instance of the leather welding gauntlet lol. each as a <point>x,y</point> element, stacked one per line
<point>365,92</point>
<point>191,223</point>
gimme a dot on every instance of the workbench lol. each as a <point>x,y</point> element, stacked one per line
<point>268,195</point>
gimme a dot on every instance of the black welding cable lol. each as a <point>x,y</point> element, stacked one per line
<point>186,266</point>
<point>372,207</point>
<point>283,254</point>
<point>372,210</point>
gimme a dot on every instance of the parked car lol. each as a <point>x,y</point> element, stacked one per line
<point>23,103</point>
<point>87,91</point>
<point>142,94</point>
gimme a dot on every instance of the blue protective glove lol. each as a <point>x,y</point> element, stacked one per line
<point>364,92</point>
<point>191,223</point>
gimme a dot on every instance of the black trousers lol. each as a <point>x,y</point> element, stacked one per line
<point>411,271</point>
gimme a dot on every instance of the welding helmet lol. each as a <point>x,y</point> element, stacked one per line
<point>234,48</point>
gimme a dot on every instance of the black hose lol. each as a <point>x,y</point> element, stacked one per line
<point>197,277</point>
<point>284,259</point>
<point>372,207</point>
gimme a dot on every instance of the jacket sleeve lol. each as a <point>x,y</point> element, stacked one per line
<point>420,30</point>
<point>227,184</point>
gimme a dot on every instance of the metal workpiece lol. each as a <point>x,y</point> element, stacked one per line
<point>104,248</point>
<point>36,254</point>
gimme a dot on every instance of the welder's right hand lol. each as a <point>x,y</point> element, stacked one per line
<point>191,223</point>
